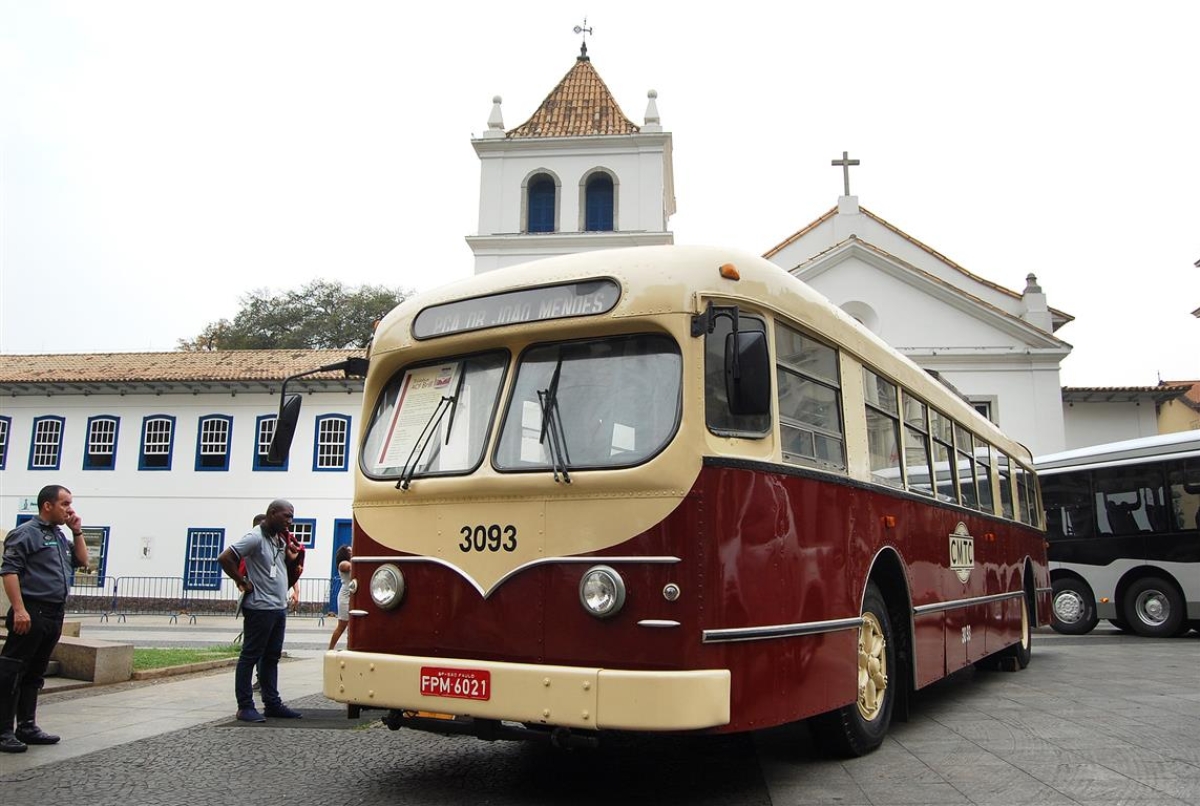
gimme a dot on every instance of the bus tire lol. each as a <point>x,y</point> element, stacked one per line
<point>1153,607</point>
<point>1022,650</point>
<point>860,727</point>
<point>1073,610</point>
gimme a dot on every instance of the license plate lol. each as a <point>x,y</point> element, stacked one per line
<point>465,684</point>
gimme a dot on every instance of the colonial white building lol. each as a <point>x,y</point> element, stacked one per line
<point>165,453</point>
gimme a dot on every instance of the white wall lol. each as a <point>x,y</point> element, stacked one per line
<point>156,508</point>
<point>1097,423</point>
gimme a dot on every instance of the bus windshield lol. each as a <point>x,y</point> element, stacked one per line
<point>611,402</point>
<point>434,418</point>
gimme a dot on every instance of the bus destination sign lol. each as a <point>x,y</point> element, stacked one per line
<point>514,307</point>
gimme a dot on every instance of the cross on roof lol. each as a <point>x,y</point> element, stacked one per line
<point>845,162</point>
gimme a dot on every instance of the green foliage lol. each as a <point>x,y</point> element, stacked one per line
<point>162,657</point>
<point>320,315</point>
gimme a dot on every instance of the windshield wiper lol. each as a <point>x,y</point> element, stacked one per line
<point>410,464</point>
<point>552,426</point>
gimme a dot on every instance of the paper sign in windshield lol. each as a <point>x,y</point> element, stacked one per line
<point>421,393</point>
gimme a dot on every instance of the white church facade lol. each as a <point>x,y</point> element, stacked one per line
<point>165,452</point>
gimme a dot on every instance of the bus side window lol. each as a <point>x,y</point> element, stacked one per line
<point>1184,480</point>
<point>1068,502</point>
<point>718,415</point>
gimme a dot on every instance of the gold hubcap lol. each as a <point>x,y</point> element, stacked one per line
<point>872,667</point>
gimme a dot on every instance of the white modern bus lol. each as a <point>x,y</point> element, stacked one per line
<point>1123,522</point>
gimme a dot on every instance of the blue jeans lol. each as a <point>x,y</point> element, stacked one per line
<point>262,640</point>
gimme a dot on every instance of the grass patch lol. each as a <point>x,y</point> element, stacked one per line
<point>162,657</point>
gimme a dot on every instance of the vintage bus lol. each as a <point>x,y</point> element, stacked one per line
<point>670,489</point>
<point>1123,521</point>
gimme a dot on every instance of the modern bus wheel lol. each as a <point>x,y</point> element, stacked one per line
<point>1153,607</point>
<point>1074,610</point>
<point>859,728</point>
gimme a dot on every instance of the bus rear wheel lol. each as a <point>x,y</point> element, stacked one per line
<point>1154,608</point>
<point>1023,649</point>
<point>859,728</point>
<point>1074,607</point>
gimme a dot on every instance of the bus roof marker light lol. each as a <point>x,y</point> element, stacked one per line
<point>730,272</point>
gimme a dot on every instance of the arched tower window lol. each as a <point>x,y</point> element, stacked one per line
<point>598,203</point>
<point>541,204</point>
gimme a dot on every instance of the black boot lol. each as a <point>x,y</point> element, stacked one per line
<point>27,729</point>
<point>10,674</point>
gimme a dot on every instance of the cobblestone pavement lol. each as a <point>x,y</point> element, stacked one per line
<point>1101,719</point>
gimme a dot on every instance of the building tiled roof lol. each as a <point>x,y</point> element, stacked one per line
<point>1116,394</point>
<point>579,106</point>
<point>216,366</point>
<point>1192,398</point>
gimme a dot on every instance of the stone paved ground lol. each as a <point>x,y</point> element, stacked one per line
<point>1103,719</point>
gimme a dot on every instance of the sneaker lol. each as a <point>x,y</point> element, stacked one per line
<point>11,744</point>
<point>281,711</point>
<point>32,734</point>
<point>250,715</point>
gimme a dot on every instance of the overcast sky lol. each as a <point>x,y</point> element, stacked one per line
<point>159,160</point>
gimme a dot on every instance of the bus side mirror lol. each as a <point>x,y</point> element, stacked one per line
<point>747,373</point>
<point>285,429</point>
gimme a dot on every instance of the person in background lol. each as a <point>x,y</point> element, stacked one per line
<point>36,570</point>
<point>264,586</point>
<point>343,602</point>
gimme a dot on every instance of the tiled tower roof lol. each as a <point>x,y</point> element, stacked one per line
<point>580,105</point>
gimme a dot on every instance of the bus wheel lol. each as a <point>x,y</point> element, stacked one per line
<point>1074,610</point>
<point>857,729</point>
<point>1153,608</point>
<point>1023,649</point>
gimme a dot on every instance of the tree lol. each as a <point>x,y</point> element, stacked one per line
<point>322,314</point>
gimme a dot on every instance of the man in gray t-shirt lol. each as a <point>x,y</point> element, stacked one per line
<point>266,552</point>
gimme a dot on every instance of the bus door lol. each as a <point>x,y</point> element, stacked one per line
<point>342,532</point>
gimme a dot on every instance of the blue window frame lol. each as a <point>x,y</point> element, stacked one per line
<point>598,202</point>
<point>201,570</point>
<point>331,444</point>
<point>101,450</point>
<point>213,438</point>
<point>45,450</point>
<point>264,429</point>
<point>305,531</point>
<point>158,441</point>
<point>541,201</point>
<point>5,426</point>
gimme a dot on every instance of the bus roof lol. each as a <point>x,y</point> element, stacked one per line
<point>1177,445</point>
<point>666,279</point>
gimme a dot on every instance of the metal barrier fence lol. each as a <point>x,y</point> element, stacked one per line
<point>168,596</point>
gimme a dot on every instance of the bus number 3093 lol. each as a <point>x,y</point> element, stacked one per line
<point>493,537</point>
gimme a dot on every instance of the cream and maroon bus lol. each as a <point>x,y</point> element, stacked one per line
<point>670,489</point>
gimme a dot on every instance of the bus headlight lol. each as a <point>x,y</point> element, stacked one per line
<point>602,591</point>
<point>387,586</point>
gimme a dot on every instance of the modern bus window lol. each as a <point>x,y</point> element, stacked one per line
<point>1129,501</point>
<point>941,429</point>
<point>916,446</point>
<point>615,403</point>
<point>1184,479</point>
<point>1006,495</point>
<point>964,447</point>
<point>810,400</point>
<point>455,397</point>
<point>716,402</point>
<point>1068,501</point>
<point>883,428</point>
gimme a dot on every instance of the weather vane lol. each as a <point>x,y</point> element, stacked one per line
<point>585,30</point>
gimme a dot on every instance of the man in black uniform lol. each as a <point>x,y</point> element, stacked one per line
<point>37,567</point>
